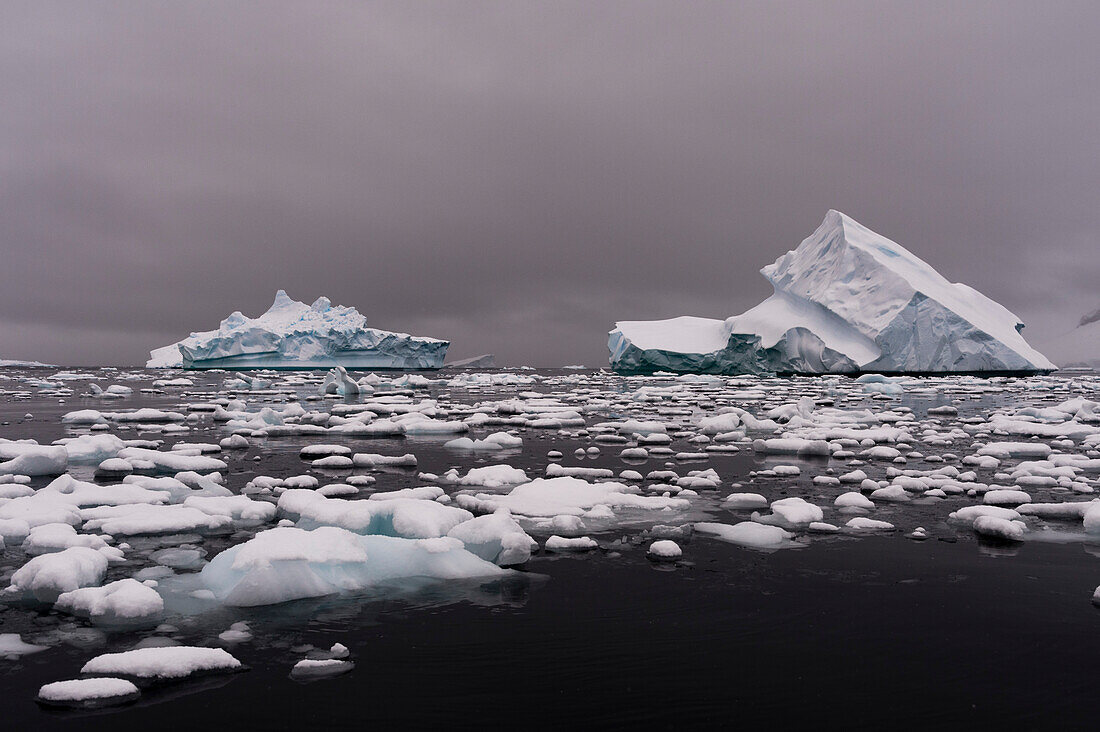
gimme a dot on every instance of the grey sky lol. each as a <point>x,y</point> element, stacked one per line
<point>517,176</point>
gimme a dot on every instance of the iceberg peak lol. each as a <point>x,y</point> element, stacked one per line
<point>282,301</point>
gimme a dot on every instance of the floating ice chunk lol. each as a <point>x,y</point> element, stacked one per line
<point>179,557</point>
<point>46,577</point>
<point>12,646</point>
<point>67,490</point>
<point>862,523</point>
<point>1091,518</point>
<point>576,544</point>
<point>238,508</point>
<point>47,538</point>
<point>89,449</point>
<point>1002,450</point>
<point>310,668</point>
<point>969,514</point>
<point>1000,528</point>
<point>28,459</point>
<point>237,633</point>
<point>164,663</point>
<point>791,446</point>
<point>746,533</point>
<point>1006,498</point>
<point>879,384</point>
<point>559,471</point>
<point>168,462</point>
<point>853,499</point>
<point>665,550</point>
<point>336,490</point>
<point>88,693</point>
<point>372,460</point>
<point>791,512</point>
<point>114,467</point>
<point>1069,511</point>
<point>547,497</point>
<point>894,493</point>
<point>641,427</point>
<point>312,452</point>
<point>428,426</point>
<point>719,423</point>
<point>490,443</point>
<point>494,476</point>
<point>142,519</point>
<point>123,602</point>
<point>567,524</point>
<point>283,564</point>
<point>84,416</point>
<point>745,500</point>
<point>422,493</point>
<point>408,518</point>
<point>234,442</point>
<point>496,538</point>
<point>338,382</point>
<point>19,515</point>
<point>338,462</point>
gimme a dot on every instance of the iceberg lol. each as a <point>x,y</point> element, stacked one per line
<point>293,335</point>
<point>847,300</point>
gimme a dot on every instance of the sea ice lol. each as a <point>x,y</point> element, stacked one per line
<point>85,693</point>
<point>283,564</point>
<point>163,663</point>
<point>311,668</point>
<point>126,601</point>
<point>46,577</point>
<point>746,533</point>
<point>496,537</point>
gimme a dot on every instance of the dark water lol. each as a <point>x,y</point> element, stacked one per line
<point>877,632</point>
<point>868,634</point>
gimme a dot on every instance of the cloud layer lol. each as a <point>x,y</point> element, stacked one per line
<point>517,176</point>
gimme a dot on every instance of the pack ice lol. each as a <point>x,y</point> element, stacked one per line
<point>292,334</point>
<point>846,300</point>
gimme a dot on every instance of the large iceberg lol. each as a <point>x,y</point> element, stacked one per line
<point>292,334</point>
<point>846,300</point>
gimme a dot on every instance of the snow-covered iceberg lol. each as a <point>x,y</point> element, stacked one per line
<point>846,300</point>
<point>292,334</point>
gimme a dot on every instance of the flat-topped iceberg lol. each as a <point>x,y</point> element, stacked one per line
<point>292,334</point>
<point>846,300</point>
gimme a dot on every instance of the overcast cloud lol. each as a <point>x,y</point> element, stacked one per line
<point>517,176</point>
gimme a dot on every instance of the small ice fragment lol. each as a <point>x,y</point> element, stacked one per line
<point>309,668</point>
<point>87,693</point>
<point>665,550</point>
<point>578,544</point>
